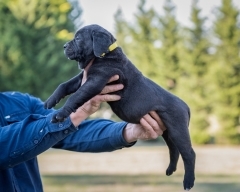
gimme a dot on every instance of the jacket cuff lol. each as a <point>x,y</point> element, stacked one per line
<point>117,140</point>
<point>59,126</point>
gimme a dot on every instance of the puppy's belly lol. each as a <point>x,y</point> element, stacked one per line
<point>131,112</point>
<point>128,116</point>
<point>137,101</point>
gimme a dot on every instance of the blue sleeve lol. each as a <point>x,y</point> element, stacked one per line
<point>28,138</point>
<point>29,132</point>
<point>37,106</point>
<point>98,135</point>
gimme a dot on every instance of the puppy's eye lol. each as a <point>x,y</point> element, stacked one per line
<point>77,38</point>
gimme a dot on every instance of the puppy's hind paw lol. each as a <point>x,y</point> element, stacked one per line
<point>170,170</point>
<point>188,182</point>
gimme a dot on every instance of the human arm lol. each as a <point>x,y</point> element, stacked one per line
<point>102,135</point>
<point>29,137</point>
<point>28,130</point>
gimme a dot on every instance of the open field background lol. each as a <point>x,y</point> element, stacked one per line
<point>139,169</point>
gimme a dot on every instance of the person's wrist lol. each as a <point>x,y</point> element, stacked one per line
<point>79,116</point>
<point>128,133</point>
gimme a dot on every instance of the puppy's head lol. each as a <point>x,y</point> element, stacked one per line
<point>89,42</point>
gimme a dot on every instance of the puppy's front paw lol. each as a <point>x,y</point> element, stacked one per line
<point>50,102</point>
<point>58,117</point>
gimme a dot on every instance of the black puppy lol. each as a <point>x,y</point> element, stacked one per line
<point>139,96</point>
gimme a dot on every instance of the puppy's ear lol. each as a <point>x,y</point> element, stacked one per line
<point>101,42</point>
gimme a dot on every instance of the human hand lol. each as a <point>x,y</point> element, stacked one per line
<point>93,104</point>
<point>150,127</point>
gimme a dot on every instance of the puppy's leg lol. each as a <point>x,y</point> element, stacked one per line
<point>63,90</point>
<point>88,90</point>
<point>179,134</point>
<point>173,152</point>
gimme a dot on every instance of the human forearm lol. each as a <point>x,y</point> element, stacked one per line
<point>24,140</point>
<point>103,135</point>
<point>100,135</point>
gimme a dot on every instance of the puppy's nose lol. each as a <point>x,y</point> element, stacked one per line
<point>65,46</point>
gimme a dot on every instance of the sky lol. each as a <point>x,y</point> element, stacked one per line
<point>102,12</point>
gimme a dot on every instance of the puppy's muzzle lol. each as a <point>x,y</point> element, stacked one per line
<point>71,50</point>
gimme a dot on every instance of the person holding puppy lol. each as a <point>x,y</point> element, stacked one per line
<point>26,131</point>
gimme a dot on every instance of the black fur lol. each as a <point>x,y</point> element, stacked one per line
<point>139,96</point>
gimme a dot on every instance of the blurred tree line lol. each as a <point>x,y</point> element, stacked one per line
<point>199,64</point>
<point>31,51</point>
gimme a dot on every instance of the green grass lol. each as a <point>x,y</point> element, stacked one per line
<point>138,183</point>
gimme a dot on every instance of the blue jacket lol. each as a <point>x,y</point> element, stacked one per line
<point>26,131</point>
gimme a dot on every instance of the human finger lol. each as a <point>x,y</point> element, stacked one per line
<point>148,128</point>
<point>155,116</point>
<point>104,98</point>
<point>113,78</point>
<point>153,123</point>
<point>112,88</point>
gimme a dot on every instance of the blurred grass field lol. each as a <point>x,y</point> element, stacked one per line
<point>138,183</point>
<point>138,169</point>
